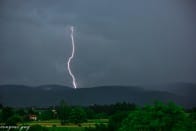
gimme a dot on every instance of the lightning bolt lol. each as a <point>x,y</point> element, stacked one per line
<point>71,57</point>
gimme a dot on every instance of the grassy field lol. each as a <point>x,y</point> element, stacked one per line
<point>54,125</point>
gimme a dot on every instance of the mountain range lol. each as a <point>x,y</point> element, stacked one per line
<point>49,95</point>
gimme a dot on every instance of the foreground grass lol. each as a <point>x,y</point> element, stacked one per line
<point>66,129</point>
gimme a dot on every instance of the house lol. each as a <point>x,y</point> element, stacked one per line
<point>33,117</point>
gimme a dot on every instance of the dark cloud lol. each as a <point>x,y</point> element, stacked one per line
<point>117,42</point>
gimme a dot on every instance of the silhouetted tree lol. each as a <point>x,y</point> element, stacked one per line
<point>46,115</point>
<point>1,106</point>
<point>192,113</point>
<point>116,120</point>
<point>90,114</point>
<point>7,112</point>
<point>23,114</point>
<point>77,115</point>
<point>157,117</point>
<point>109,110</point>
<point>13,120</point>
<point>63,112</point>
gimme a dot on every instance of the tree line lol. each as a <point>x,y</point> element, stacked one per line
<point>122,116</point>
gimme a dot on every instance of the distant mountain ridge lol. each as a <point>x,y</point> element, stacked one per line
<point>47,95</point>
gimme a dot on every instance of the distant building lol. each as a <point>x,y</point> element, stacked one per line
<point>33,117</point>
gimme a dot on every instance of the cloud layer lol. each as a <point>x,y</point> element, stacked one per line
<point>117,42</point>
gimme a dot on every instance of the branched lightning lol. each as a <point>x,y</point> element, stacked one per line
<point>71,57</point>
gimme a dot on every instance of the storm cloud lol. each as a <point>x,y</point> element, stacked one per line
<point>127,42</point>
